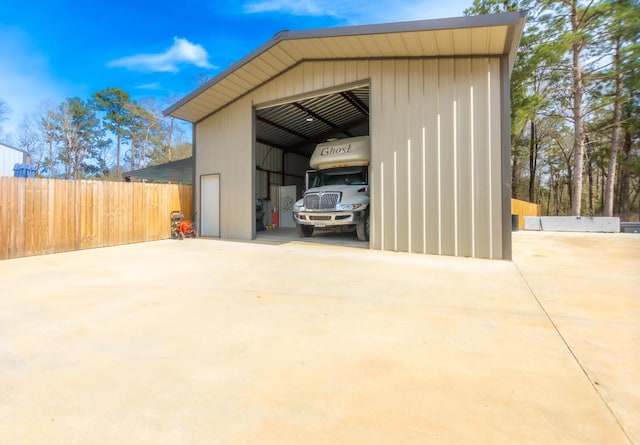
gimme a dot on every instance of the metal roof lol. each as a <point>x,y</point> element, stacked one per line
<point>298,126</point>
<point>493,35</point>
<point>5,145</point>
<point>180,171</point>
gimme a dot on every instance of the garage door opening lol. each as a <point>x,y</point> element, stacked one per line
<point>287,133</point>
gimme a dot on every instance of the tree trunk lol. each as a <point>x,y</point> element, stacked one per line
<point>51,161</point>
<point>170,139</point>
<point>590,182</point>
<point>514,169</point>
<point>625,178</point>
<point>533,160</point>
<point>603,177</point>
<point>569,183</point>
<point>578,118</point>
<point>615,135</point>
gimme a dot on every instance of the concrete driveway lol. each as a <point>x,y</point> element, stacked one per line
<point>279,342</point>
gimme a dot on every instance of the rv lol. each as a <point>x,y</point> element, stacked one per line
<point>338,195</point>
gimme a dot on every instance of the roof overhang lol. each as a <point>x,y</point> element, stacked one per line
<point>473,36</point>
<point>180,171</point>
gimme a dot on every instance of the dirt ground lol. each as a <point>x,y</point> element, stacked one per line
<point>286,342</point>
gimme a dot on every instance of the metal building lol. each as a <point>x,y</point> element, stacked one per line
<point>433,96</point>
<point>9,157</point>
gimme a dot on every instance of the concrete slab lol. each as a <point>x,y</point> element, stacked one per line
<point>207,341</point>
<point>320,236</point>
<point>589,285</point>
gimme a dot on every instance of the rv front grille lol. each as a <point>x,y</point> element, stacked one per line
<point>321,201</point>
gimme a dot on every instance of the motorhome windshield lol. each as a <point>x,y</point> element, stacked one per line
<point>341,176</point>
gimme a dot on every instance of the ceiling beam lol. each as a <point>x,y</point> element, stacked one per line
<point>297,149</point>
<point>317,116</point>
<point>357,103</point>
<point>270,144</point>
<point>281,127</point>
<point>322,137</point>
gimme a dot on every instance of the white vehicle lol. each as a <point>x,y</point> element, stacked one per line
<point>339,195</point>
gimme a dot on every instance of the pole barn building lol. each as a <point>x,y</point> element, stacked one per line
<point>432,95</point>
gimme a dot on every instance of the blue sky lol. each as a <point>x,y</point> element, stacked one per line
<point>51,50</point>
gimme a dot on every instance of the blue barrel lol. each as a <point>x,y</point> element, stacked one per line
<point>24,171</point>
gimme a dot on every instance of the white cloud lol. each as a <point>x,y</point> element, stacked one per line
<point>182,52</point>
<point>149,86</point>
<point>295,7</point>
<point>362,11</point>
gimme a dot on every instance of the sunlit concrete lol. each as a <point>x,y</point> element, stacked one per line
<point>287,342</point>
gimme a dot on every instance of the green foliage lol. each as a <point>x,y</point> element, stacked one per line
<point>543,99</point>
<point>114,102</point>
<point>91,138</point>
<point>81,139</point>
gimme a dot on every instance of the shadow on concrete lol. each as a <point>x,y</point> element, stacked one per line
<point>328,237</point>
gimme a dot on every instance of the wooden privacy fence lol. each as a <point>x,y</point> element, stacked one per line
<point>522,209</point>
<point>39,216</point>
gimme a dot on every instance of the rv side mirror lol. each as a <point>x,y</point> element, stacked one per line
<point>308,179</point>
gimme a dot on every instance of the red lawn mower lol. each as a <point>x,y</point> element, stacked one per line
<point>182,228</point>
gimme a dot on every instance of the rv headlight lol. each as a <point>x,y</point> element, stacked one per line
<point>348,206</point>
<point>298,206</point>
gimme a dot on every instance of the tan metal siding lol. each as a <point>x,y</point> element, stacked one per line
<point>446,150</point>
<point>436,156</point>
<point>436,150</point>
<point>464,159</point>
<point>416,176</point>
<point>431,167</point>
<point>224,146</point>
<point>495,158</point>
<point>481,114</point>
<point>402,159</point>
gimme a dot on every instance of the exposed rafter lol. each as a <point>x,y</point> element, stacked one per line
<point>318,117</point>
<point>281,127</point>
<point>353,100</point>
<point>322,137</point>
<point>335,115</point>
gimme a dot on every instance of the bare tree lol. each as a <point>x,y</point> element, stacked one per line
<point>30,140</point>
<point>4,113</point>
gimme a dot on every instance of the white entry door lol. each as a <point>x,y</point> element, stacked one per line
<point>210,205</point>
<point>287,200</point>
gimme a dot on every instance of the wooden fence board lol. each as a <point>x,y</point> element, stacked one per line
<point>4,217</point>
<point>51,216</point>
<point>522,209</point>
<point>20,193</point>
<point>39,215</point>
